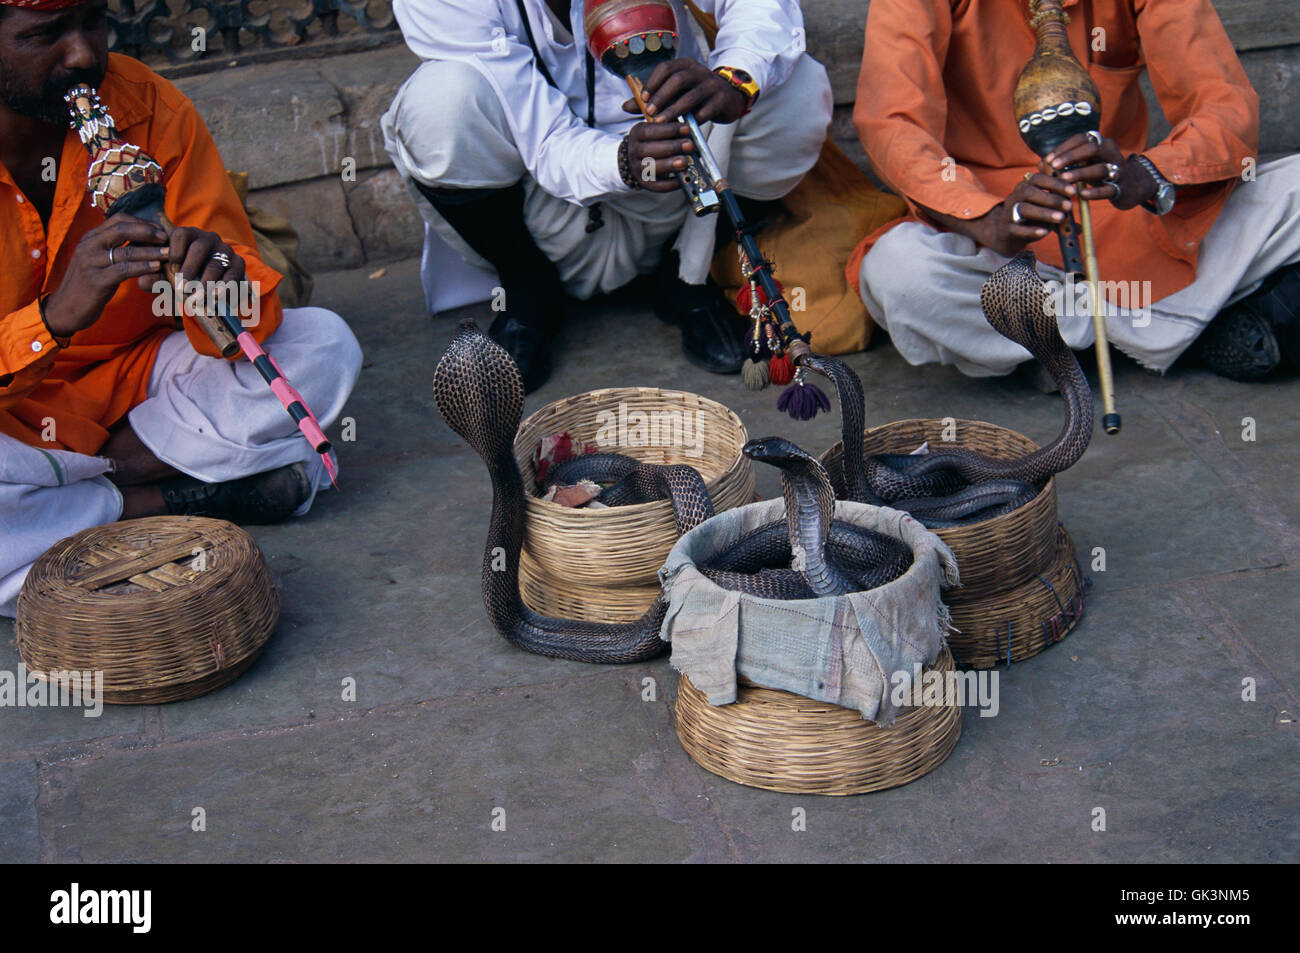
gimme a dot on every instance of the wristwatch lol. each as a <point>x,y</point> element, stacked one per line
<point>1163,200</point>
<point>743,82</point>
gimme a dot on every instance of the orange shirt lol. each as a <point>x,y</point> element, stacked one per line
<point>937,81</point>
<point>90,385</point>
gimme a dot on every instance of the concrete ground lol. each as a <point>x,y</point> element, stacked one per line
<point>1139,712</point>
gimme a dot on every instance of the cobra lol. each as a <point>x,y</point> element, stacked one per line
<point>957,486</point>
<point>480,395</point>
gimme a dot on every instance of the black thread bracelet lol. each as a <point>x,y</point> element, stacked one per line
<point>40,306</point>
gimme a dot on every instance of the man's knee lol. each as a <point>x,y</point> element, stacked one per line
<point>447,116</point>
<point>336,350</point>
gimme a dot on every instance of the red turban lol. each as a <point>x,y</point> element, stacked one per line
<point>43,6</point>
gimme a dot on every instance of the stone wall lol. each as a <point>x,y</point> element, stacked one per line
<point>307,130</point>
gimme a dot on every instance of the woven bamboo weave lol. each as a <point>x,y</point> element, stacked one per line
<point>575,554</point>
<point>1014,625</point>
<point>167,607</point>
<point>993,554</point>
<point>784,742</point>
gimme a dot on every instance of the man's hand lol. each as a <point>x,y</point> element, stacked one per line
<point>1040,201</point>
<point>1135,184</point>
<point>191,252</point>
<point>93,277</point>
<point>685,85</point>
<point>655,150</point>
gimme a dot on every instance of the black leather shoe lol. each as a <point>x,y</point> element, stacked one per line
<point>528,343</point>
<point>258,500</point>
<point>713,339</point>
<point>713,332</point>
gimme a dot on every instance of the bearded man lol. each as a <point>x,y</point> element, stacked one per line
<point>109,408</point>
<point>530,158</point>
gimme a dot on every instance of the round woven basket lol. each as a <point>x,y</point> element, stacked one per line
<point>994,554</point>
<point>783,742</point>
<point>575,557</point>
<point>168,607</point>
<point>1021,622</point>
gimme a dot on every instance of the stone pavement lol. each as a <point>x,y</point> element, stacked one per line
<point>1139,712</point>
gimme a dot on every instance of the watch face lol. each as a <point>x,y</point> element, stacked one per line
<point>741,75</point>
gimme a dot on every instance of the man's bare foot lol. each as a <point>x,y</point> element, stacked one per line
<point>140,501</point>
<point>133,462</point>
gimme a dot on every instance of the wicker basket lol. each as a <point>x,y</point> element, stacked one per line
<point>167,608</point>
<point>994,554</point>
<point>783,742</point>
<point>1019,623</point>
<point>575,558</point>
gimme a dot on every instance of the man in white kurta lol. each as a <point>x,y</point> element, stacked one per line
<point>496,144</point>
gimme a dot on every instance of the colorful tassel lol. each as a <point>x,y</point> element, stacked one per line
<point>802,401</point>
<point>754,374</point>
<point>780,370</point>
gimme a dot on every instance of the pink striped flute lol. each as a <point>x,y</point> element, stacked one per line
<point>124,178</point>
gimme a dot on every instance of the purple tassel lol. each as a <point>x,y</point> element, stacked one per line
<point>802,401</point>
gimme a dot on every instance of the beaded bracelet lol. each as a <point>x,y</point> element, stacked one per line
<point>625,166</point>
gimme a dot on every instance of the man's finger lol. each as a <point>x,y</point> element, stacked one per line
<point>632,106</point>
<point>122,231</point>
<point>666,148</point>
<point>650,131</point>
<point>685,103</point>
<point>1087,173</point>
<point>1088,152</point>
<point>1028,233</point>
<point>1073,142</point>
<point>1031,212</point>
<point>1050,183</point>
<point>672,89</point>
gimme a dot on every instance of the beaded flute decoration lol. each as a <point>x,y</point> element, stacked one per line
<point>124,178</point>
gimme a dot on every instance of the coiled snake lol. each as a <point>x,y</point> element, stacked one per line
<point>957,486</point>
<point>479,392</point>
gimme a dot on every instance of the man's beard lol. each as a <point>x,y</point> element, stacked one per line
<point>47,105</point>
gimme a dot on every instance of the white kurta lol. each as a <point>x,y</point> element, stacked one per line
<point>478,114</point>
<point>213,419</point>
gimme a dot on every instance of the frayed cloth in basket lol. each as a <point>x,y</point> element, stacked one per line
<point>839,649</point>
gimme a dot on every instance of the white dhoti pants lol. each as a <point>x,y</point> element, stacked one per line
<point>923,286</point>
<point>210,418</point>
<point>446,129</point>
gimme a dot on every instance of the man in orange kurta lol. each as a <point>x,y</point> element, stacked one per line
<point>935,115</point>
<point>107,410</point>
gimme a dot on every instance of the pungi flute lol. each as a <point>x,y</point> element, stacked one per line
<point>124,178</point>
<point>630,38</point>
<point>1055,99</point>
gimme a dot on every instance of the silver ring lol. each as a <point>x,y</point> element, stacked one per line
<point>1118,192</point>
<point>221,257</point>
<point>111,262</point>
<point>1095,136</point>
<point>1112,172</point>
<point>1015,214</point>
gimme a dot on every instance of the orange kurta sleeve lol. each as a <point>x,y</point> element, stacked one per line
<point>26,353</point>
<point>901,111</point>
<point>1209,102</point>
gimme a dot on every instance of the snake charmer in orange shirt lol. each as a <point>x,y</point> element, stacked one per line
<point>106,408</point>
<point>935,115</point>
